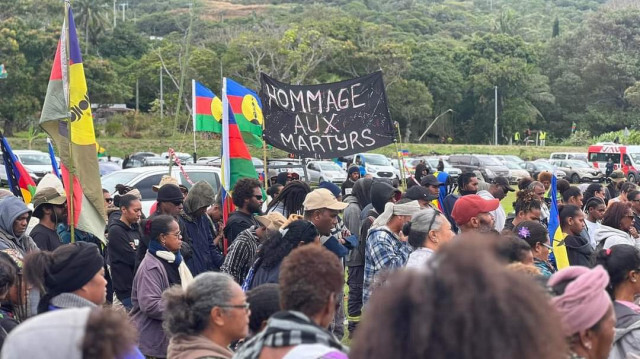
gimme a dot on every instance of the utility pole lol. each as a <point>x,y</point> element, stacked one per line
<point>124,6</point>
<point>114,14</point>
<point>137,95</point>
<point>161,97</point>
<point>495,123</point>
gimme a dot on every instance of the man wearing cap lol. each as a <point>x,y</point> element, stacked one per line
<point>353,175</point>
<point>498,190</point>
<point>386,247</point>
<point>473,213</point>
<point>421,194</point>
<point>242,251</point>
<point>14,218</point>
<point>206,255</point>
<point>247,197</point>
<point>166,179</point>
<point>124,237</point>
<point>49,206</point>
<point>431,183</point>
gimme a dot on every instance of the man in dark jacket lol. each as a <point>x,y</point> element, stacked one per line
<point>353,175</point>
<point>467,184</point>
<point>380,193</point>
<point>124,237</point>
<point>50,208</point>
<point>247,197</point>
<point>206,256</point>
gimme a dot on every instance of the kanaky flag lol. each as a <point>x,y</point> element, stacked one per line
<point>247,111</point>
<point>207,109</point>
<point>236,160</point>
<point>555,231</point>
<point>66,117</point>
<point>20,183</point>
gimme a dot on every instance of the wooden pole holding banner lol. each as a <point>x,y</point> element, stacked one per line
<point>71,166</point>
<point>403,180</point>
<point>403,183</point>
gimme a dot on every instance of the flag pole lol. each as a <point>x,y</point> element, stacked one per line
<point>403,181</point>
<point>402,167</point>
<point>70,201</point>
<point>193,115</point>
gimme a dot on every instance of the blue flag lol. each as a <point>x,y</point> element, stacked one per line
<point>54,162</point>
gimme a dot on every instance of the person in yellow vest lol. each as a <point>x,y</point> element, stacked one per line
<point>516,138</point>
<point>543,138</point>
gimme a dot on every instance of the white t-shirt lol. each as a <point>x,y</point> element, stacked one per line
<point>592,227</point>
<point>419,258</point>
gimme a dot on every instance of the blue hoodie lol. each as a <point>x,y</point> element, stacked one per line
<point>10,209</point>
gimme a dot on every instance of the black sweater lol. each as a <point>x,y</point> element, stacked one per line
<point>122,256</point>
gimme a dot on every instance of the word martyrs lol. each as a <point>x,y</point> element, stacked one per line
<point>327,120</point>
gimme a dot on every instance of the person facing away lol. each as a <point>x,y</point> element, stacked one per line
<point>247,197</point>
<point>206,255</point>
<point>124,237</point>
<point>49,206</point>
<point>310,281</point>
<point>14,218</point>
<point>204,318</point>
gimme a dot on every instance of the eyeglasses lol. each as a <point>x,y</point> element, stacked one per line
<point>244,306</point>
<point>108,200</point>
<point>433,219</point>
<point>547,246</point>
<point>177,234</point>
<point>258,197</point>
<point>629,216</point>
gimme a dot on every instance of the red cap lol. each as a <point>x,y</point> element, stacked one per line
<point>469,206</point>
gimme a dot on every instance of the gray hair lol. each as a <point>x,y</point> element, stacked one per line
<point>535,184</point>
<point>420,220</point>
<point>187,311</point>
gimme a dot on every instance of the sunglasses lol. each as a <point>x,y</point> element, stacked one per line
<point>433,220</point>
<point>177,203</point>
<point>108,200</point>
<point>258,197</point>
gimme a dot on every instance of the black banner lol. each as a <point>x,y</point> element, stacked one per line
<point>328,120</point>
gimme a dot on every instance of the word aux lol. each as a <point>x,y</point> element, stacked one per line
<point>327,120</point>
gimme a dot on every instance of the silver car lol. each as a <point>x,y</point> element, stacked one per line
<point>320,171</point>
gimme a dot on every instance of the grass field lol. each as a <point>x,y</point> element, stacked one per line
<point>123,146</point>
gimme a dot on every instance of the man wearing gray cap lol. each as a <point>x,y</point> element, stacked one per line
<point>386,247</point>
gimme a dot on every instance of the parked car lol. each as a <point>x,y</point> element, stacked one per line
<point>143,178</point>
<point>296,167</point>
<point>205,160</point>
<point>375,164</point>
<point>581,156</point>
<point>535,167</point>
<point>108,167</point>
<point>432,165</point>
<point>578,171</point>
<point>136,159</point>
<point>488,166</point>
<point>516,173</point>
<point>319,171</point>
<point>409,166</point>
<point>113,159</point>
<point>510,158</point>
<point>36,163</point>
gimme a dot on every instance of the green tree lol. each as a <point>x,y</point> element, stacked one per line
<point>91,18</point>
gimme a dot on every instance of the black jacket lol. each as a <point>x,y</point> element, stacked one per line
<point>579,251</point>
<point>236,223</point>
<point>122,257</point>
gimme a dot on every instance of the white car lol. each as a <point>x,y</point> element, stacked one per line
<point>36,163</point>
<point>516,173</point>
<point>375,165</point>
<point>320,171</point>
<point>143,178</point>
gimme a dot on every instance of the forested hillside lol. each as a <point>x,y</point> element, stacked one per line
<point>555,62</point>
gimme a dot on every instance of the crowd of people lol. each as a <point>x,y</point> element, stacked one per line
<point>439,270</point>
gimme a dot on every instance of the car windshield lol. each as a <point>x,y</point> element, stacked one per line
<point>512,158</point>
<point>578,164</point>
<point>110,181</point>
<point>635,157</point>
<point>433,162</point>
<point>544,166</point>
<point>376,160</point>
<point>329,166</point>
<point>489,161</point>
<point>35,159</point>
<point>512,166</point>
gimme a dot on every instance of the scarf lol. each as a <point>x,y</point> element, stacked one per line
<point>391,209</point>
<point>170,261</point>
<point>285,329</point>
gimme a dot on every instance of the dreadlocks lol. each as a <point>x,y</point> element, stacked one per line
<point>290,199</point>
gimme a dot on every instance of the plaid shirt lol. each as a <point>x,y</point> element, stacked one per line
<point>383,251</point>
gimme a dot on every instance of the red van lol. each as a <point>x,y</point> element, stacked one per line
<point>625,158</point>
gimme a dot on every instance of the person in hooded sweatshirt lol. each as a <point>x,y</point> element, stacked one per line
<point>206,317</point>
<point>420,171</point>
<point>206,255</point>
<point>615,226</point>
<point>353,175</point>
<point>14,218</point>
<point>124,237</point>
<point>622,262</point>
<point>572,223</point>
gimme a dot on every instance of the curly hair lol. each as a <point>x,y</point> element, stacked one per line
<point>108,334</point>
<point>524,183</point>
<point>544,176</point>
<point>430,314</point>
<point>243,190</point>
<point>464,179</point>
<point>615,213</point>
<point>526,200</point>
<point>279,245</point>
<point>292,197</point>
<point>308,277</point>
<point>188,310</point>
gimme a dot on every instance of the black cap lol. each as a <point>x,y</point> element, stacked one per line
<point>418,192</point>
<point>430,180</point>
<point>170,193</point>
<point>501,181</point>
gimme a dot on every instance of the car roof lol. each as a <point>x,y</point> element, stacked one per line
<point>165,169</point>
<point>29,152</point>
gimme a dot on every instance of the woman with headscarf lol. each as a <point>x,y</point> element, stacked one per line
<point>622,262</point>
<point>266,267</point>
<point>585,310</point>
<point>72,276</point>
<point>161,268</point>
